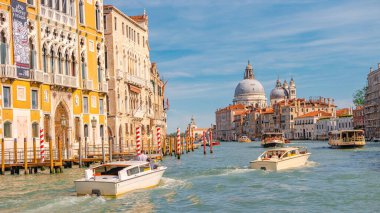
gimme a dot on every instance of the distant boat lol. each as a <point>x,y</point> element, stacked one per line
<point>116,178</point>
<point>244,139</point>
<point>347,139</point>
<point>214,143</point>
<point>281,158</point>
<point>272,139</point>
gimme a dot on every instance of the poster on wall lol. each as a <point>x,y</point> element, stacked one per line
<point>20,38</point>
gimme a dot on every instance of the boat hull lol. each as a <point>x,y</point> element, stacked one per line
<point>104,188</point>
<point>272,165</point>
<point>272,144</point>
<point>346,145</point>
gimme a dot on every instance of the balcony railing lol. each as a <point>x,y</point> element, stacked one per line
<point>87,84</point>
<point>135,80</point>
<point>48,78</point>
<point>8,71</point>
<point>119,74</point>
<point>103,86</point>
<point>58,16</point>
<point>37,75</point>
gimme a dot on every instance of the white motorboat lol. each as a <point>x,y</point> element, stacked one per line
<point>281,158</point>
<point>116,178</point>
<point>346,139</point>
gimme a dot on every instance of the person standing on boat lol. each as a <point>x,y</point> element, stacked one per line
<point>142,157</point>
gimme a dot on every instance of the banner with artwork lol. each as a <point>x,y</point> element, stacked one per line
<point>20,38</point>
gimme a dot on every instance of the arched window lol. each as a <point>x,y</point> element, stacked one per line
<point>97,16</point>
<point>32,55</point>
<point>7,129</point>
<point>44,58</point>
<point>81,12</point>
<point>57,4</point>
<point>83,66</point>
<point>64,6</point>
<point>72,10</point>
<point>3,48</point>
<point>99,71</point>
<point>73,72</point>
<point>105,57</point>
<point>60,62</point>
<point>67,71</point>
<point>52,61</point>
<point>35,130</point>
<point>85,130</point>
<point>50,3</point>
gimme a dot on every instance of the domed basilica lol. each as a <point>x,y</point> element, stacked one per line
<point>250,92</point>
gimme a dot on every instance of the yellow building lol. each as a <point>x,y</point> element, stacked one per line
<point>52,72</point>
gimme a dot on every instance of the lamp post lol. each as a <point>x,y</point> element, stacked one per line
<point>63,126</point>
<point>93,124</point>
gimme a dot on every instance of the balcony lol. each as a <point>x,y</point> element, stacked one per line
<point>48,78</point>
<point>8,71</point>
<point>87,84</point>
<point>58,16</point>
<point>119,74</point>
<point>65,80</point>
<point>37,76</point>
<point>135,80</point>
<point>103,87</point>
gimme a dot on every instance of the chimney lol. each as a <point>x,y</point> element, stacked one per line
<point>329,101</point>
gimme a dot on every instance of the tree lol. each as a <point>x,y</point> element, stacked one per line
<point>359,96</point>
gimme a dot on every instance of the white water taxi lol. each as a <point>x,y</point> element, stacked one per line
<point>272,139</point>
<point>346,139</point>
<point>116,178</point>
<point>281,158</point>
<point>244,139</point>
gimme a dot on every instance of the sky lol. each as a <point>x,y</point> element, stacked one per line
<point>202,48</point>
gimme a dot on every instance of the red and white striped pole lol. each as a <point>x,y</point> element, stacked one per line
<point>138,141</point>
<point>204,142</point>
<point>178,143</point>
<point>159,140</point>
<point>42,145</point>
<point>210,132</point>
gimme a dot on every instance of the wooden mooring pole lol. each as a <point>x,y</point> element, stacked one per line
<point>2,156</point>
<point>26,171</point>
<point>51,157</point>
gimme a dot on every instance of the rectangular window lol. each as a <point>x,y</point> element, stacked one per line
<point>115,23</point>
<point>7,97</point>
<point>7,129</point>
<point>31,2</point>
<point>104,22</point>
<point>85,104</point>
<point>122,27</point>
<point>101,107</point>
<point>34,99</point>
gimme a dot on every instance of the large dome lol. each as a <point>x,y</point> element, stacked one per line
<point>249,91</point>
<point>249,87</point>
<point>278,93</point>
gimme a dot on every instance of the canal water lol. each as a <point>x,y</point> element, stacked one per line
<point>332,181</point>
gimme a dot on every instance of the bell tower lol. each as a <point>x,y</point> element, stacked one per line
<point>292,89</point>
<point>249,72</point>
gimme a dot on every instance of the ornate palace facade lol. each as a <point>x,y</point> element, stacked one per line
<point>54,79</point>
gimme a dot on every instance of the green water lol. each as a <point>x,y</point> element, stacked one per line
<point>332,181</point>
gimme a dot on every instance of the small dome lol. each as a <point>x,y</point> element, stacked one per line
<point>248,87</point>
<point>278,93</point>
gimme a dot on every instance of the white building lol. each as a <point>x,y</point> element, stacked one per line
<point>305,125</point>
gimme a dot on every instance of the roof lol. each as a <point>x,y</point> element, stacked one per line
<point>139,18</point>
<point>342,112</point>
<point>233,107</point>
<point>267,111</point>
<point>315,114</point>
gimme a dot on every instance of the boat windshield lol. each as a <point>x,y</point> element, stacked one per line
<point>108,170</point>
<point>273,154</point>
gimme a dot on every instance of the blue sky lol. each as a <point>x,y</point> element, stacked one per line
<point>202,47</point>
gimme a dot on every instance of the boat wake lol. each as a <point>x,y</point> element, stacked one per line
<point>311,164</point>
<point>171,183</point>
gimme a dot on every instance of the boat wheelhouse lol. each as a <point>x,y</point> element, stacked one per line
<point>281,158</point>
<point>347,139</point>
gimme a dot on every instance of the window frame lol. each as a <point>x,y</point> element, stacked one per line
<point>10,96</point>
<point>84,111</point>
<point>4,129</point>
<point>31,99</point>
